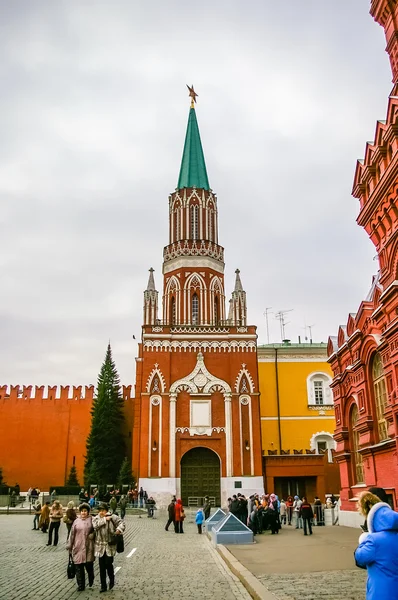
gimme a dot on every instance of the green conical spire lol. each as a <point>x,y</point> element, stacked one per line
<point>193,167</point>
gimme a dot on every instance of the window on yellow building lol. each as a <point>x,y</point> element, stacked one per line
<point>318,389</point>
<point>380,393</point>
<point>318,392</point>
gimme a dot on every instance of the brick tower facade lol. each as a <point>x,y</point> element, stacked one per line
<point>196,409</point>
<point>364,354</point>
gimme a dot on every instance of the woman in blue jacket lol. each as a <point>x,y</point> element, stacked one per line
<point>378,549</point>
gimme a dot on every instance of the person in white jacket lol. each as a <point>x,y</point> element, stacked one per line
<point>106,525</point>
<point>296,512</point>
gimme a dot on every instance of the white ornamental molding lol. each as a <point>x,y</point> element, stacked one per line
<point>157,329</point>
<point>156,372</point>
<point>192,248</point>
<point>200,380</point>
<point>195,329</point>
<point>196,346</point>
<point>200,430</point>
<point>242,330</point>
<point>244,373</point>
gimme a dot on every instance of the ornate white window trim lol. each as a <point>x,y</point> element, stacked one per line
<point>156,371</point>
<point>325,378</point>
<point>323,436</point>
<point>200,381</point>
<point>244,372</point>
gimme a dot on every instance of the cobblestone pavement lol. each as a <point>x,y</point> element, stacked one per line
<point>165,565</point>
<point>322,585</point>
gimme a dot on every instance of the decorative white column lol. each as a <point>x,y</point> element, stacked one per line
<point>172,444</point>
<point>228,434</point>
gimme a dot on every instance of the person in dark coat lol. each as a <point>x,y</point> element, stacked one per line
<point>171,511</point>
<point>272,514</point>
<point>206,507</point>
<point>307,515</point>
<point>378,549</point>
<point>234,508</point>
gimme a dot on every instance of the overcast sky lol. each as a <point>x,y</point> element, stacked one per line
<point>93,113</point>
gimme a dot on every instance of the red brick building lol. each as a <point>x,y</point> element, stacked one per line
<point>196,409</point>
<point>364,355</point>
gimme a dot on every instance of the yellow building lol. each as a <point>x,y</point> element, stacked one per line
<point>297,419</point>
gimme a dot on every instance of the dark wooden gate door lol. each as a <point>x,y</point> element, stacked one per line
<point>200,475</point>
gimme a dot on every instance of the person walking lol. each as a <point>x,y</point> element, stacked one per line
<point>171,511</point>
<point>199,518</point>
<point>37,513</point>
<point>206,507</point>
<point>105,526</point>
<point>141,497</point>
<point>151,505</point>
<point>179,516</point>
<point>272,514</point>
<point>56,514</point>
<point>123,506</point>
<point>283,512</point>
<point>289,506</point>
<point>318,512</point>
<point>378,549</point>
<point>81,547</point>
<point>307,515</point>
<point>44,520</point>
<point>296,512</point>
<point>70,516</point>
<point>113,504</point>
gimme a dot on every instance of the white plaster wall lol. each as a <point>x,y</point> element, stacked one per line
<point>348,518</point>
<point>250,485</point>
<point>160,488</point>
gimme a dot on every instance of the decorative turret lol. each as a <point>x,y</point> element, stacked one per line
<point>150,301</point>
<point>193,262</point>
<point>238,309</point>
<point>385,12</point>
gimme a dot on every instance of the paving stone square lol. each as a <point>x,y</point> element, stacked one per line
<point>165,565</point>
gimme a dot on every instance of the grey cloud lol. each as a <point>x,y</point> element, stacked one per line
<point>93,121</point>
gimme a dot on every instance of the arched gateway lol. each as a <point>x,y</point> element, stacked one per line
<point>200,475</point>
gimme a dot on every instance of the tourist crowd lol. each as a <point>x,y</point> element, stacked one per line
<point>88,537</point>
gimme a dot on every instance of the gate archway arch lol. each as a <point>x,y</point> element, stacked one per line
<point>200,475</point>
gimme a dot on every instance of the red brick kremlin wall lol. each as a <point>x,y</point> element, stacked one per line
<point>43,431</point>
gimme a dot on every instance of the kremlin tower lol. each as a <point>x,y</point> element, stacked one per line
<point>196,408</point>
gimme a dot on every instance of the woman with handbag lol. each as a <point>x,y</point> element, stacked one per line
<point>107,527</point>
<point>56,515</point>
<point>81,547</point>
<point>69,517</point>
<point>179,516</point>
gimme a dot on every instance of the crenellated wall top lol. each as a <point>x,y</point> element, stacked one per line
<point>60,393</point>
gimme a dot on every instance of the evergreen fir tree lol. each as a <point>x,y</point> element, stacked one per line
<point>72,477</point>
<point>105,444</point>
<point>1,477</point>
<point>125,476</point>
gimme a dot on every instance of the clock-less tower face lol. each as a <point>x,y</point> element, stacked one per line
<point>197,427</point>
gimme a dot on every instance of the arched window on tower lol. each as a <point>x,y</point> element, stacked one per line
<point>216,310</point>
<point>195,310</point>
<point>173,311</point>
<point>210,213</point>
<point>195,222</point>
<point>358,460</point>
<point>380,394</point>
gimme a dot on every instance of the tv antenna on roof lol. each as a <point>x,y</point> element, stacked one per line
<point>309,327</point>
<point>266,313</point>
<point>281,318</point>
